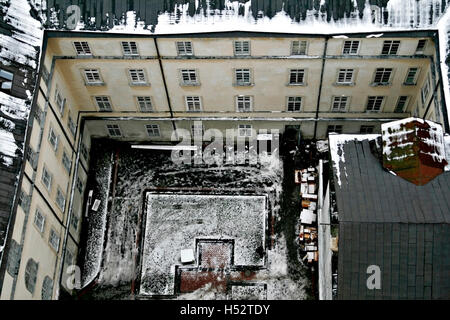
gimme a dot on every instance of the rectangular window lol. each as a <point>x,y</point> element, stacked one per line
<point>184,48</point>
<point>82,48</point>
<point>241,48</point>
<point>84,152</point>
<point>350,47</point>
<point>92,76</point>
<point>411,76</point>
<point>197,129</point>
<point>67,162</point>
<point>152,130</point>
<point>60,199</point>
<point>137,76</point>
<point>31,156</point>
<point>72,125</point>
<point>294,104</point>
<point>401,105</point>
<point>334,128</point>
<point>345,76</point>
<point>189,77</point>
<point>382,76</point>
<point>366,129</point>
<point>296,76</point>
<point>145,103</point>
<point>53,139</point>
<point>45,74</point>
<point>244,103</point>
<point>6,80</point>
<point>74,221</point>
<point>39,220</point>
<point>299,48</point>
<point>339,103</point>
<point>38,115</point>
<point>54,240</point>
<point>390,47</point>
<point>79,185</point>
<point>242,77</point>
<point>60,101</point>
<point>46,178</point>
<point>245,130</point>
<point>103,103</point>
<point>193,103</point>
<point>129,48</point>
<point>374,103</point>
<point>113,130</point>
<point>425,90</point>
<point>421,46</point>
<point>24,201</point>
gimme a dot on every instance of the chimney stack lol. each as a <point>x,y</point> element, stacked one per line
<point>414,149</point>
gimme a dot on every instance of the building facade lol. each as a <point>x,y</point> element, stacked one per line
<point>140,88</point>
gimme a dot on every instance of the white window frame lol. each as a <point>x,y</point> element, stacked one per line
<point>416,76</point>
<point>47,178</point>
<point>351,49</point>
<point>383,71</point>
<point>191,75</point>
<point>145,101</point>
<point>39,220</point>
<point>299,47</point>
<point>246,129</point>
<point>345,72</point>
<point>53,139</point>
<point>80,185</point>
<point>60,101</point>
<point>112,129</point>
<point>383,99</point>
<point>294,103</point>
<point>128,49</point>
<point>72,125</point>
<point>153,130</point>
<point>84,46</point>
<point>141,76</point>
<point>92,76</point>
<point>238,48</point>
<point>417,51</point>
<point>54,236</point>
<point>60,199</point>
<point>391,45</point>
<point>66,160</point>
<point>297,71</point>
<point>425,90</point>
<point>246,102</point>
<point>243,73</point>
<point>105,100</point>
<point>193,103</point>
<point>405,106</point>
<point>183,49</point>
<point>335,101</point>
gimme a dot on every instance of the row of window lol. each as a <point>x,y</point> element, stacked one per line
<point>243,77</point>
<point>54,238</point>
<point>244,130</point>
<point>242,47</point>
<point>244,103</point>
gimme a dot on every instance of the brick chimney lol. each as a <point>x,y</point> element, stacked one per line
<point>414,149</point>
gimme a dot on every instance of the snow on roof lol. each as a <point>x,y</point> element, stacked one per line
<point>336,142</point>
<point>396,133</point>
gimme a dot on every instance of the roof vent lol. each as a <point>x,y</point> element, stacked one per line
<point>414,149</point>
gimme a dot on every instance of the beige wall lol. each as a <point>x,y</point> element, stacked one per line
<point>214,61</point>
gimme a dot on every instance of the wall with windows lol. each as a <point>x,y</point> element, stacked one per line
<point>244,83</point>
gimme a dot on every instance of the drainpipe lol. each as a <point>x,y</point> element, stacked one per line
<point>320,86</point>
<point>433,97</point>
<point>165,84</point>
